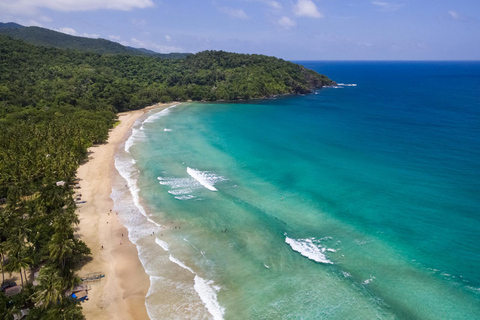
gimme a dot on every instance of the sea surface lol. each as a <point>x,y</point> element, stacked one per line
<point>360,201</point>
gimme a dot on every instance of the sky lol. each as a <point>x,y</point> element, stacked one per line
<point>288,29</point>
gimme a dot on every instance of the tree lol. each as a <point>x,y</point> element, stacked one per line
<point>50,289</point>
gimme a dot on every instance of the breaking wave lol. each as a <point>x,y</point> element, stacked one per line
<point>309,248</point>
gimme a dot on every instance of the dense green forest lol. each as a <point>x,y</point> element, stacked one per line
<point>50,38</point>
<point>37,77</point>
<point>56,103</point>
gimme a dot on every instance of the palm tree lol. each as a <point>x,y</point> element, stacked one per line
<point>10,313</point>
<point>18,258</point>
<point>25,262</point>
<point>3,245</point>
<point>50,289</point>
<point>61,249</point>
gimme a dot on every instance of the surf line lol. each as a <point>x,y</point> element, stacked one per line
<point>201,178</point>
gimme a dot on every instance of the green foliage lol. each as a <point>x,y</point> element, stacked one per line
<point>49,38</point>
<point>38,78</point>
<point>54,104</point>
<point>67,309</point>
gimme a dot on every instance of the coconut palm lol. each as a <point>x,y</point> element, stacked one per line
<point>50,289</point>
<point>61,249</point>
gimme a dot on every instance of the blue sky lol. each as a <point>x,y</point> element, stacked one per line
<point>289,29</point>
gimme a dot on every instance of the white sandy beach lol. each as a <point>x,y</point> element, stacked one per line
<point>121,294</point>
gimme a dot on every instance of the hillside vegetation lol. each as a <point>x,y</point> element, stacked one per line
<point>50,38</point>
<point>39,77</point>
<point>54,104</point>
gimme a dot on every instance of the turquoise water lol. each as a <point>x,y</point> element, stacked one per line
<point>356,202</point>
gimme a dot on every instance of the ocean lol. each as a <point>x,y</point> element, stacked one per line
<point>360,201</point>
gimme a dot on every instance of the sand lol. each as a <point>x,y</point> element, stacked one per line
<point>121,293</point>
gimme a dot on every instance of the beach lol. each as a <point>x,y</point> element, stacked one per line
<point>121,293</point>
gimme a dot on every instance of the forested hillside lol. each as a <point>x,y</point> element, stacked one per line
<point>50,38</point>
<point>56,103</point>
<point>38,77</point>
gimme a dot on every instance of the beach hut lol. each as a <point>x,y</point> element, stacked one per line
<point>79,288</point>
<point>80,296</point>
<point>60,183</point>
<point>13,291</point>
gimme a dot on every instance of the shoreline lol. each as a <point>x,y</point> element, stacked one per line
<point>121,293</point>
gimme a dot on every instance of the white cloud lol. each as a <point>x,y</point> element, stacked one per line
<point>168,38</point>
<point>286,23</point>
<point>387,6</point>
<point>274,4</point>
<point>27,22</point>
<point>29,7</point>
<point>112,37</point>
<point>457,16</point>
<point>306,8</point>
<point>271,3</point>
<point>68,30</point>
<point>454,14</point>
<point>73,32</point>
<point>90,35</point>
<point>34,23</point>
<point>154,46</point>
<point>234,13</point>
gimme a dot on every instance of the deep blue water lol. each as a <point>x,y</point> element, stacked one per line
<point>355,202</point>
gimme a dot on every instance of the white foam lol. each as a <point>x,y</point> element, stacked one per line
<point>177,192</point>
<point>204,178</point>
<point>208,293</point>
<point>180,263</point>
<point>162,244</point>
<point>182,187</point>
<point>206,290</point>
<point>347,84</point>
<point>167,130</point>
<point>157,224</point>
<point>307,248</point>
<point>131,182</point>
<point>185,197</point>
<point>346,274</point>
<point>158,115</point>
<point>137,134</point>
<point>368,280</point>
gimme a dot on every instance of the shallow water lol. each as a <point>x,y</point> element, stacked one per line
<point>356,202</point>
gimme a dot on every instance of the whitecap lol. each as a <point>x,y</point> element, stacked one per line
<point>205,178</point>
<point>206,290</point>
<point>369,280</point>
<point>162,244</point>
<point>185,197</point>
<point>307,248</point>
<point>208,293</point>
<point>183,187</point>
<point>180,263</point>
<point>158,115</point>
